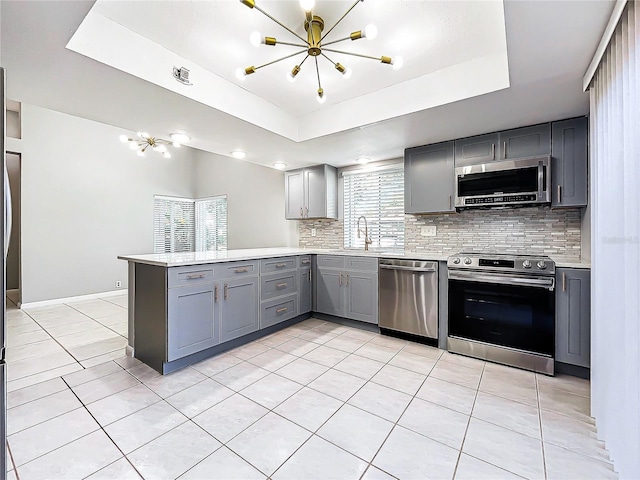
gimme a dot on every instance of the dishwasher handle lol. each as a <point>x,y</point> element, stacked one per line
<point>408,269</point>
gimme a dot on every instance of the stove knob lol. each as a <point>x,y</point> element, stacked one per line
<point>542,265</point>
<point>467,261</point>
<point>456,260</point>
<point>526,264</point>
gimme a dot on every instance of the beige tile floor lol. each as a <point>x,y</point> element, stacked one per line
<point>314,401</point>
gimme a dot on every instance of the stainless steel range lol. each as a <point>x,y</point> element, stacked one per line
<point>502,309</point>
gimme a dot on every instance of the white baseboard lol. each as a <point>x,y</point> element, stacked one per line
<point>79,298</point>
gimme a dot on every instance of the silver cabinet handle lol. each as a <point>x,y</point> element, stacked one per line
<point>242,270</point>
<point>559,194</point>
<point>347,275</point>
<point>493,151</point>
<point>281,285</point>
<point>306,209</point>
<point>450,202</point>
<point>306,262</point>
<point>226,291</point>
<point>281,265</point>
<point>564,282</point>
<point>215,293</point>
<point>504,150</point>
<point>340,280</point>
<point>309,274</point>
<point>281,310</point>
<point>301,212</point>
<point>196,275</point>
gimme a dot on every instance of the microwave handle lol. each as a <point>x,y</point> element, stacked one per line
<point>541,186</point>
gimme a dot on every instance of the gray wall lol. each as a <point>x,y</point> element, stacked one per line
<point>13,256</point>
<point>255,196</point>
<point>87,198</point>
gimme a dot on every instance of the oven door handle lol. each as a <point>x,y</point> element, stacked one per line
<point>542,282</point>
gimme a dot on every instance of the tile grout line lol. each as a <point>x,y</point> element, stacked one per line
<point>13,462</point>
<point>544,461</point>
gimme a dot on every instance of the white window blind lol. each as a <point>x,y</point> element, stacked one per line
<point>379,196</point>
<point>187,225</point>
<point>211,224</point>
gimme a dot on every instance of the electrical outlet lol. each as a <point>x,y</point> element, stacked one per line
<point>313,232</point>
<point>118,284</point>
<point>429,231</point>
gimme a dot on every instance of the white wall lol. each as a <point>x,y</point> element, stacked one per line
<point>87,198</point>
<point>255,196</point>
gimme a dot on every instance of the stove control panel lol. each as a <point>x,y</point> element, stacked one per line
<point>496,262</point>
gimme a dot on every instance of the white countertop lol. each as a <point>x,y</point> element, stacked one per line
<point>199,258</point>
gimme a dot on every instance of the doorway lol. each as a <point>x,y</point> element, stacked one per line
<point>13,256</point>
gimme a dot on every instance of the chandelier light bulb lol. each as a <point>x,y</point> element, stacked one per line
<point>370,31</point>
<point>124,138</point>
<point>240,74</point>
<point>133,145</point>
<point>307,5</point>
<point>256,39</point>
<point>291,77</point>
<point>321,97</point>
<point>140,153</point>
<point>397,63</point>
<point>166,154</point>
<point>347,73</point>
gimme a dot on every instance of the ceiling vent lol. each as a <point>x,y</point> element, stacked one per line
<point>182,75</point>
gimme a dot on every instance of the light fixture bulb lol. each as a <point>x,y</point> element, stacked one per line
<point>160,148</point>
<point>290,78</point>
<point>166,154</point>
<point>256,39</point>
<point>240,74</point>
<point>397,63</point>
<point>347,73</point>
<point>280,165</point>
<point>239,154</point>
<point>321,98</point>
<point>307,5</point>
<point>370,31</point>
<point>133,145</point>
<point>124,138</point>
<point>140,153</point>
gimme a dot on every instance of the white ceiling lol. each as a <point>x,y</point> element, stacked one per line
<point>549,47</point>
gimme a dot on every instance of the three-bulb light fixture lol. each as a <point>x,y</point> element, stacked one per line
<point>143,141</point>
<point>314,45</point>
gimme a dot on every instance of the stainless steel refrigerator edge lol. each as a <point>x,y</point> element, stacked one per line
<point>408,296</point>
<point>3,286</point>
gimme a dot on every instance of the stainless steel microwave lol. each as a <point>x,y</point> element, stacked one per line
<point>506,183</point>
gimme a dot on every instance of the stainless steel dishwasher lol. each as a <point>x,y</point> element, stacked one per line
<point>408,296</point>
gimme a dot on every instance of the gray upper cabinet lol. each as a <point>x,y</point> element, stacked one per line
<point>569,163</point>
<point>573,316</point>
<point>361,301</point>
<point>192,319</point>
<point>239,307</point>
<point>311,192</point>
<point>477,150</point>
<point>525,142</point>
<point>429,178</point>
<point>305,290</point>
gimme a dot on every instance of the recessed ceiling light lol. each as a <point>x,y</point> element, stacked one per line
<point>181,138</point>
<point>280,165</point>
<point>239,154</point>
<point>363,160</point>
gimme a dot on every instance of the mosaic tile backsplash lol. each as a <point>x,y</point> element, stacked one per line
<point>536,230</point>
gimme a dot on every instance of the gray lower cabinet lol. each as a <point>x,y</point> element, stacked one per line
<point>278,310</point>
<point>525,142</point>
<point>305,291</point>
<point>569,163</point>
<point>239,307</point>
<point>573,316</point>
<point>193,319</point>
<point>429,178</point>
<point>361,292</point>
<point>329,292</point>
<point>477,150</point>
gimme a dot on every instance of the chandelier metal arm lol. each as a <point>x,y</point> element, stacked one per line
<point>318,73</point>
<point>280,59</point>
<point>334,63</point>
<point>280,23</point>
<point>341,18</point>
<point>336,41</point>
<point>353,54</point>
<point>292,44</point>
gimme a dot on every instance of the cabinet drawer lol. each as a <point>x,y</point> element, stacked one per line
<point>364,264</point>
<point>278,284</point>
<point>189,275</point>
<point>278,264</point>
<point>331,261</point>
<point>276,311</point>
<point>236,269</point>
<point>304,261</point>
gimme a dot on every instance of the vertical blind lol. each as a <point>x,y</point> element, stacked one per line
<point>615,244</point>
<point>379,196</point>
<point>187,225</point>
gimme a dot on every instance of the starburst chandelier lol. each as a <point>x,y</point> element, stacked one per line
<point>144,141</point>
<point>314,45</point>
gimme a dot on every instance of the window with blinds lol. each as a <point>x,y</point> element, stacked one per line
<point>379,196</point>
<point>187,225</point>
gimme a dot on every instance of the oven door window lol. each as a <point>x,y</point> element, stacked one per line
<point>506,315</point>
<point>518,180</point>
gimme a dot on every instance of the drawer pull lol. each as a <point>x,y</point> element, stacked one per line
<point>281,310</point>
<point>242,270</point>
<point>306,262</point>
<point>281,265</point>
<point>196,275</point>
<point>281,285</point>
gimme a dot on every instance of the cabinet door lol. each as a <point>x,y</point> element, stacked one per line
<point>362,296</point>
<point>192,320</point>
<point>477,150</point>
<point>304,279</point>
<point>573,316</point>
<point>525,142</point>
<point>294,194</point>
<point>429,179</point>
<point>315,183</point>
<point>239,307</point>
<point>569,163</point>
<point>329,292</point>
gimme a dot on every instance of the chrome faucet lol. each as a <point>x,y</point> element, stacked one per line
<point>367,239</point>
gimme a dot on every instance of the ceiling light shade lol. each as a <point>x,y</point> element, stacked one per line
<point>307,5</point>
<point>123,138</point>
<point>397,63</point>
<point>180,138</point>
<point>239,154</point>
<point>280,165</point>
<point>314,45</point>
<point>363,160</point>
